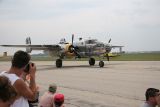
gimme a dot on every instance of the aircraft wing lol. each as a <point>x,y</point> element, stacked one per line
<point>35,47</point>
<point>116,46</point>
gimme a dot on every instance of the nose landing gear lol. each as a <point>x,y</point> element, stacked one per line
<point>101,64</point>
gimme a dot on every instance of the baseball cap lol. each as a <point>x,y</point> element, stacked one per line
<point>52,87</point>
<point>59,97</point>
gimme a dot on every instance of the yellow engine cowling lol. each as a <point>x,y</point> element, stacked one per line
<point>69,50</point>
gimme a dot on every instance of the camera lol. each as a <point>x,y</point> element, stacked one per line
<point>28,67</point>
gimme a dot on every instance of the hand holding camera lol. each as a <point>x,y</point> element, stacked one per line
<point>30,69</point>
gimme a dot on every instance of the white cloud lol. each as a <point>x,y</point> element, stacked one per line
<point>127,21</point>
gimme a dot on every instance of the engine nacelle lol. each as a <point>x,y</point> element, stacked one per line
<point>69,50</point>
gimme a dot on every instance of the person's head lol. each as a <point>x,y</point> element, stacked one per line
<point>7,91</point>
<point>58,99</point>
<point>20,60</point>
<point>151,95</point>
<point>52,88</point>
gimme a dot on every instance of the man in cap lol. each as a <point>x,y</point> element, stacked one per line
<point>47,98</point>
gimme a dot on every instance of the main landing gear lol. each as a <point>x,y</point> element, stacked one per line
<point>92,62</point>
<point>59,63</point>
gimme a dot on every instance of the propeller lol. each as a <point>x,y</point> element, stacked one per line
<point>73,48</point>
<point>108,49</point>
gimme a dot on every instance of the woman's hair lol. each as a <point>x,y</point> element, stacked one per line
<point>7,91</point>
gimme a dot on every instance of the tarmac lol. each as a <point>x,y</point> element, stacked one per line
<point>117,84</point>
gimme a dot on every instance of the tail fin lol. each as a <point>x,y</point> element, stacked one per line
<point>28,42</point>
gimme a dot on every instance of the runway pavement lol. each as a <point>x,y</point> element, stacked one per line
<point>118,84</point>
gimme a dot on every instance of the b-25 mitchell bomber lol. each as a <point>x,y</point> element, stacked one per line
<point>87,48</point>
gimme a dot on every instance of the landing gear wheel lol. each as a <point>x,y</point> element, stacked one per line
<point>58,63</point>
<point>91,61</point>
<point>101,63</point>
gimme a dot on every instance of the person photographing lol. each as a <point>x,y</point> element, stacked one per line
<point>21,64</point>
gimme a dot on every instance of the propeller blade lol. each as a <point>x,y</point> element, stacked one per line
<point>109,40</point>
<point>77,54</point>
<point>72,38</point>
<point>107,56</point>
<point>74,49</point>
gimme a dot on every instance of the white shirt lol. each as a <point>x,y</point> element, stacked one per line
<point>21,101</point>
<point>145,104</point>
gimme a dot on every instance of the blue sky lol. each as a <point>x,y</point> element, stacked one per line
<point>132,23</point>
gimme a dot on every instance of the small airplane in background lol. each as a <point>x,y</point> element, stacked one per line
<point>87,48</point>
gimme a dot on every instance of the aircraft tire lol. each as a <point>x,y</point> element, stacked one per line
<point>58,63</point>
<point>101,64</point>
<point>91,61</point>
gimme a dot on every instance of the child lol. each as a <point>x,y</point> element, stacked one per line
<point>8,93</point>
<point>47,99</point>
<point>59,100</point>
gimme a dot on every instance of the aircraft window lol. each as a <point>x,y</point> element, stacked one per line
<point>81,43</point>
<point>100,45</point>
<point>90,42</point>
<point>87,42</point>
<point>63,40</point>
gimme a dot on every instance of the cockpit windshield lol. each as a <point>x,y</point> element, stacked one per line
<point>92,41</point>
<point>62,41</point>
